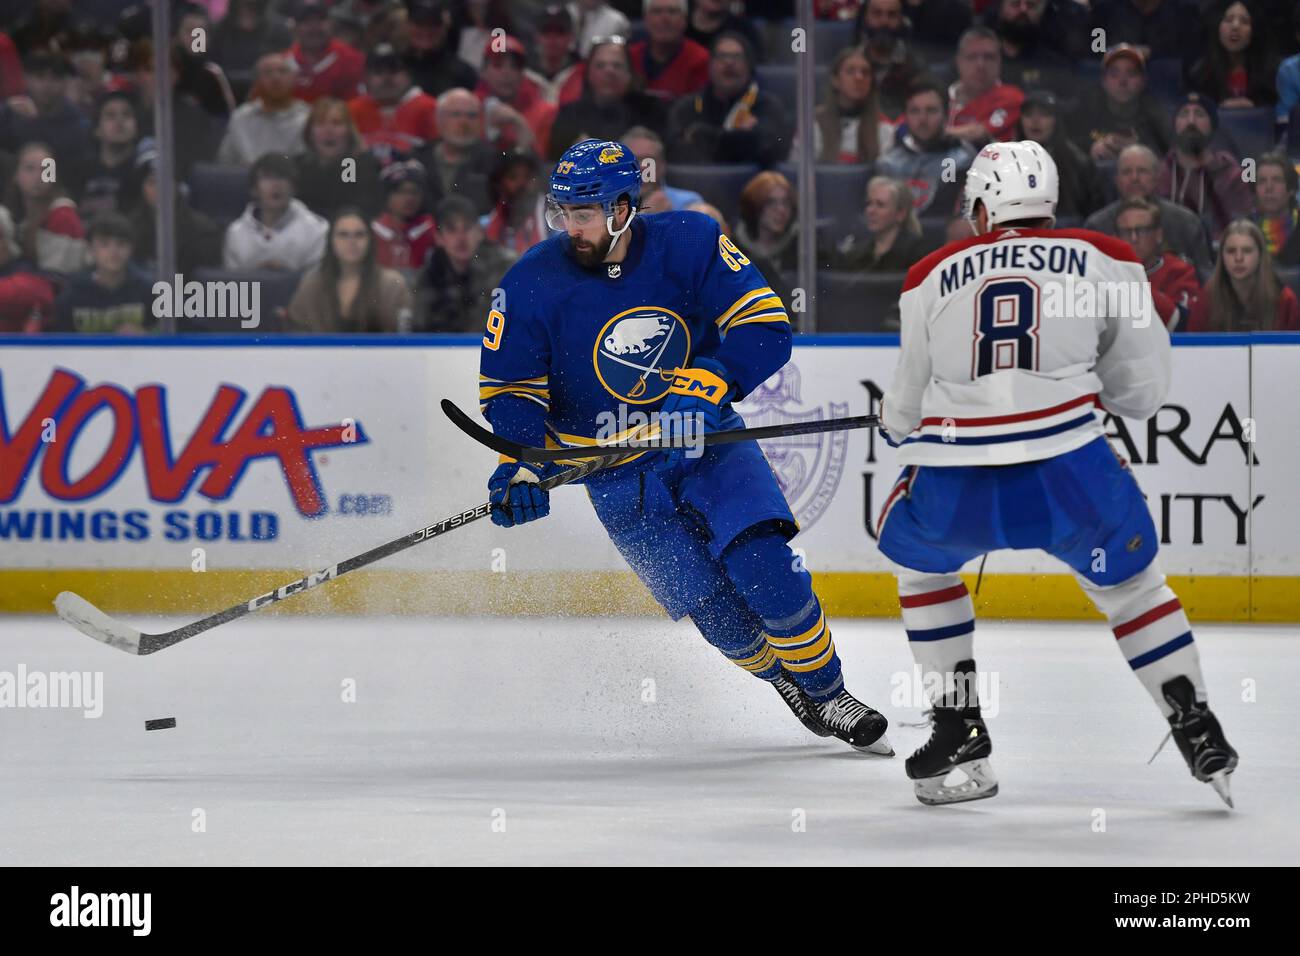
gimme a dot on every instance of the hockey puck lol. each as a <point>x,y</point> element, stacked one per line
<point>162,723</point>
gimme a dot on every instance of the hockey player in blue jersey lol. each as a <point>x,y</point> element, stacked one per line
<point>994,408</point>
<point>663,314</point>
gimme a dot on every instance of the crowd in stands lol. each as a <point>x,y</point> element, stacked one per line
<point>379,164</point>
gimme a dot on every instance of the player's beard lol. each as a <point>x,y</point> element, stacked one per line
<point>591,255</point>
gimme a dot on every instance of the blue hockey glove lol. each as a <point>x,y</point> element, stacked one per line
<point>692,407</point>
<point>513,491</point>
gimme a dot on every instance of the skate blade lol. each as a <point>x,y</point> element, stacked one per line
<point>880,747</point>
<point>1219,781</point>
<point>979,784</point>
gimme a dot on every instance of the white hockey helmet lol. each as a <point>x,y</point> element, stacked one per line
<point>1014,181</point>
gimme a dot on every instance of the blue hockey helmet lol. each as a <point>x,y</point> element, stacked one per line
<point>596,172</point>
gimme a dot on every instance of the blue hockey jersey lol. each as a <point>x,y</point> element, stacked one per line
<point>567,349</point>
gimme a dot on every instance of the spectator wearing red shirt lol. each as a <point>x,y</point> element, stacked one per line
<point>671,65</point>
<point>1174,284</point>
<point>11,69</point>
<point>1244,294</point>
<point>518,221</point>
<point>982,107</point>
<point>404,232</point>
<point>326,66</point>
<point>26,298</point>
<point>393,115</point>
<point>554,58</point>
<point>502,78</point>
<point>49,231</point>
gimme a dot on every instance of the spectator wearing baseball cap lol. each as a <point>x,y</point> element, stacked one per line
<point>455,289</point>
<point>503,79</point>
<point>1238,70</point>
<point>1120,112</point>
<point>1082,189</point>
<point>326,65</point>
<point>555,59</point>
<point>670,65</point>
<point>404,231</point>
<point>1194,174</point>
<point>393,115</point>
<point>430,56</point>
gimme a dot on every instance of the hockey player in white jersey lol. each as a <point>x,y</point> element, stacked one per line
<point>1014,342</point>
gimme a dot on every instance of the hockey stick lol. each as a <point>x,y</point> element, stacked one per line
<point>93,622</point>
<point>600,452</point>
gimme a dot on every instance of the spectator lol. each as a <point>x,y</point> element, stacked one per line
<point>404,230</point>
<point>88,52</point>
<point>455,292</point>
<point>1028,61</point>
<point>48,27</point>
<point>1082,190</point>
<point>927,158</point>
<point>272,123</point>
<point>609,104</point>
<point>108,297</point>
<point>731,120</point>
<point>393,116</point>
<point>594,19</point>
<point>711,18</point>
<point>459,160</point>
<point>26,297</point>
<point>1207,181</point>
<point>1276,212</point>
<point>1135,178</point>
<point>276,232</point>
<point>195,135</point>
<point>11,69</point>
<point>1121,113</point>
<point>1244,294</point>
<point>200,237</point>
<point>768,222</point>
<point>981,107</point>
<point>430,57</point>
<point>45,114</point>
<point>1160,29</point>
<point>656,195</point>
<point>556,63</point>
<point>1288,76</point>
<point>247,31</point>
<point>480,21</point>
<point>669,64</point>
<point>849,126</point>
<point>518,220</point>
<point>101,181</point>
<point>502,78</point>
<point>335,169</point>
<point>775,280</point>
<point>50,232</point>
<point>201,76</point>
<point>1238,69</point>
<point>884,33</point>
<point>350,291</point>
<point>1174,284</point>
<point>326,66</point>
<point>892,241</point>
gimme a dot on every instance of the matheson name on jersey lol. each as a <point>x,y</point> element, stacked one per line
<point>1039,257</point>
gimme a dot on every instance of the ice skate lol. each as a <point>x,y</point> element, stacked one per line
<point>953,765</point>
<point>1199,737</point>
<point>856,724</point>
<point>802,707</point>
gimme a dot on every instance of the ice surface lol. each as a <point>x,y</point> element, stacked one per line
<point>545,724</point>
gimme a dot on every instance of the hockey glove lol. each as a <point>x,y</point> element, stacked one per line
<point>514,494</point>
<point>692,408</point>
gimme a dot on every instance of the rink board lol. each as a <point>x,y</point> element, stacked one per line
<point>191,474</point>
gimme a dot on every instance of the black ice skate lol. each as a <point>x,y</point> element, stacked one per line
<point>799,703</point>
<point>1199,737</point>
<point>856,724</point>
<point>953,766</point>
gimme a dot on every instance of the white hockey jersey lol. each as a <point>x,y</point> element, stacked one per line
<point>1012,342</point>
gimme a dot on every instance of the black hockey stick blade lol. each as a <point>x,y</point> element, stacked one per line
<point>91,621</point>
<point>600,452</point>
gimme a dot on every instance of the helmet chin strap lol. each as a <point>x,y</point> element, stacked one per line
<point>609,226</point>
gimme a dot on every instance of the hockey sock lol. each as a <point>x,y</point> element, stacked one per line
<point>776,586</point>
<point>727,623</point>
<point>1152,631</point>
<point>940,621</point>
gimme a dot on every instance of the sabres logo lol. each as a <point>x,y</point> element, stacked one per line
<point>610,154</point>
<point>635,348</point>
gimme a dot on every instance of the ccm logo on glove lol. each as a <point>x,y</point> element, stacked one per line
<point>698,383</point>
